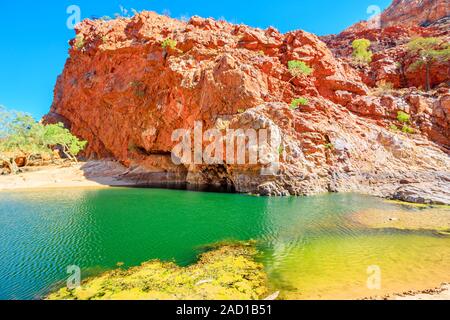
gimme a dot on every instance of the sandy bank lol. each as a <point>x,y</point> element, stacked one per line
<point>437,219</point>
<point>92,174</point>
<point>442,293</point>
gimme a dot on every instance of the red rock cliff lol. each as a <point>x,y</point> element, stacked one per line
<point>401,22</point>
<point>125,93</point>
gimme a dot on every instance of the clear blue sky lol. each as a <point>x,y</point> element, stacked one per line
<point>34,35</point>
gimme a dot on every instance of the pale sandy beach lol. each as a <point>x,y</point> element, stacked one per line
<point>437,219</point>
<point>92,174</point>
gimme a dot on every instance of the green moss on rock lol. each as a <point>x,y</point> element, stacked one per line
<point>229,272</point>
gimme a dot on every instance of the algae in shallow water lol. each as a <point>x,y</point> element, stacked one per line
<point>226,273</point>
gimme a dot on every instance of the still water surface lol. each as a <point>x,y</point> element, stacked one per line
<point>309,246</point>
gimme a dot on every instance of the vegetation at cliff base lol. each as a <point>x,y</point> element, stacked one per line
<point>58,135</point>
<point>228,272</point>
<point>428,51</point>
<point>297,69</point>
<point>22,136</point>
<point>407,129</point>
<point>361,53</point>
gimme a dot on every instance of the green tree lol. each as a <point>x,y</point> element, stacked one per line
<point>17,137</point>
<point>297,69</point>
<point>169,43</point>
<point>57,135</point>
<point>361,53</point>
<point>6,158</point>
<point>22,136</point>
<point>428,51</point>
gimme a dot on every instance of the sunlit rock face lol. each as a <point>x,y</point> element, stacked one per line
<point>126,92</point>
<point>415,12</point>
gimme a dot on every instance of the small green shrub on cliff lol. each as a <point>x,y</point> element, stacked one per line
<point>408,129</point>
<point>296,69</point>
<point>299,68</point>
<point>403,117</point>
<point>361,53</point>
<point>169,43</point>
<point>329,146</point>
<point>298,102</point>
<point>79,42</point>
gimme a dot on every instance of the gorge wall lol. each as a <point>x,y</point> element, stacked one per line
<point>126,93</point>
<point>415,12</point>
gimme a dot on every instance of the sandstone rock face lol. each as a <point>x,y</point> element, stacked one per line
<point>415,12</point>
<point>126,93</point>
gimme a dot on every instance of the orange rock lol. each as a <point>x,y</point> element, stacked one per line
<point>126,94</point>
<point>20,161</point>
<point>402,21</point>
<point>415,12</point>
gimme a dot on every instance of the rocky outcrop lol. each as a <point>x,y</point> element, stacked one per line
<point>415,12</point>
<point>390,71</point>
<point>429,193</point>
<point>397,25</point>
<point>406,13</point>
<point>125,92</point>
